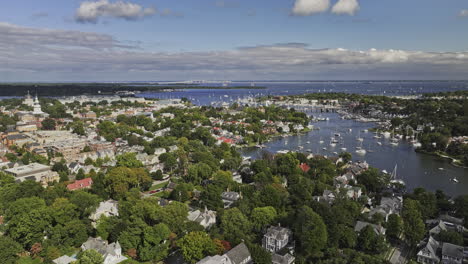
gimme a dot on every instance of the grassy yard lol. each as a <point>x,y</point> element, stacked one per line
<point>157,186</point>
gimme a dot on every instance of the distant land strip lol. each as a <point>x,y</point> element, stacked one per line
<point>72,89</point>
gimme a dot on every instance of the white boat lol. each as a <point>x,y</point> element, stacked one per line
<point>394,179</point>
<point>343,149</point>
<point>359,138</point>
<point>379,143</point>
<point>441,169</point>
<point>336,153</point>
<point>282,151</point>
<point>350,130</point>
<point>386,134</point>
<point>384,171</point>
<point>337,135</point>
<point>455,180</point>
<point>324,148</point>
<point>366,130</point>
<point>360,151</point>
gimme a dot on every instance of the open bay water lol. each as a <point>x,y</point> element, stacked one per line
<point>417,170</point>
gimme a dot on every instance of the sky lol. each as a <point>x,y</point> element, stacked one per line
<point>150,40</point>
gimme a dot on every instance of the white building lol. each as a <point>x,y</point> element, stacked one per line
<point>34,171</point>
<point>112,253</point>
<point>205,218</point>
<point>107,208</point>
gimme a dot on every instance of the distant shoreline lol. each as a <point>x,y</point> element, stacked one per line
<point>74,89</point>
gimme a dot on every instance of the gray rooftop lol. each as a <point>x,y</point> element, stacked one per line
<point>239,254</point>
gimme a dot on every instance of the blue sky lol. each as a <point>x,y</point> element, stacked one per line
<point>216,39</point>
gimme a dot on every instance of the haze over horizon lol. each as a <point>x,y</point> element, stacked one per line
<point>137,40</point>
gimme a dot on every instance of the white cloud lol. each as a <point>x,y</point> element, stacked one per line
<point>38,52</point>
<point>349,7</point>
<point>463,13</point>
<point>91,11</point>
<point>310,7</point>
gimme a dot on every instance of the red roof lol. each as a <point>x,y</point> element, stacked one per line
<point>80,184</point>
<point>304,167</point>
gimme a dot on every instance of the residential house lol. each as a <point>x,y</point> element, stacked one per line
<point>80,184</point>
<point>64,260</point>
<point>282,259</point>
<point>388,206</point>
<point>112,253</point>
<point>107,208</point>
<point>327,197</point>
<point>379,230</point>
<point>445,223</point>
<point>428,254</point>
<point>238,255</point>
<point>452,254</point>
<point>276,238</point>
<point>205,218</point>
<point>229,198</point>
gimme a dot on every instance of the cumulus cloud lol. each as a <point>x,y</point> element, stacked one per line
<point>348,7</point>
<point>91,11</point>
<point>463,13</point>
<point>310,7</point>
<point>48,52</point>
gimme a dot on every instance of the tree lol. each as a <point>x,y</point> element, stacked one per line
<point>9,250</point>
<point>27,220</point>
<point>372,179</point>
<point>450,237</point>
<point>85,202</point>
<point>394,226</point>
<point>90,256</point>
<point>196,245</point>
<point>80,175</point>
<point>263,216</point>
<point>235,225</point>
<point>120,180</point>
<point>259,254</point>
<point>370,242</point>
<point>198,172</point>
<point>128,160</point>
<point>311,232</point>
<point>48,124</point>
<point>413,224</point>
<point>78,128</point>
<point>345,156</point>
<point>175,215</point>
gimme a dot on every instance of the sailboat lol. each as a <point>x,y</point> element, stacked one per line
<point>393,177</point>
<point>360,150</point>
<point>359,138</point>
